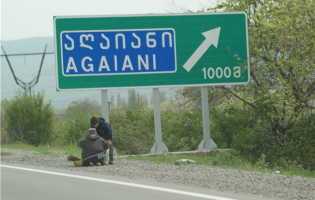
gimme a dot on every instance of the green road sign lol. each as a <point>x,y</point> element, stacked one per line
<point>136,51</point>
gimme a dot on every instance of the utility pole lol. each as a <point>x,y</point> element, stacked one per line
<point>26,86</point>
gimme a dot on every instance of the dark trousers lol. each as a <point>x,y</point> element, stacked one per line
<point>110,152</point>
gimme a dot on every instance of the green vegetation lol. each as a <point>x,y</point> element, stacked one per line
<point>268,125</point>
<point>5,154</point>
<point>45,149</point>
<point>29,118</point>
<point>224,159</point>
<point>77,119</point>
<point>227,159</point>
<point>274,116</point>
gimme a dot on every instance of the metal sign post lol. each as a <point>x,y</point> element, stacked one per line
<point>105,110</point>
<point>159,146</point>
<point>207,142</point>
<point>105,105</point>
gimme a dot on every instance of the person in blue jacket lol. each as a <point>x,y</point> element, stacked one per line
<point>104,130</point>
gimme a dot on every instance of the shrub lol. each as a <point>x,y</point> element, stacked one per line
<point>183,129</point>
<point>133,129</point>
<point>4,135</point>
<point>300,143</point>
<point>28,118</point>
<point>76,120</point>
<point>252,136</point>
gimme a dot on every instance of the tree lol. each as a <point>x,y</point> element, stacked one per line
<point>123,102</point>
<point>112,101</point>
<point>143,100</point>
<point>282,91</point>
<point>119,100</point>
<point>77,119</point>
<point>29,118</point>
<point>282,52</point>
<point>162,96</point>
<point>133,129</point>
<point>181,129</point>
<point>132,98</point>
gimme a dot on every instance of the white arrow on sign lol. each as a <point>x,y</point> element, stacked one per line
<point>212,38</point>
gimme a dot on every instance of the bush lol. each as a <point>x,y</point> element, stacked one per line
<point>252,136</point>
<point>133,129</point>
<point>229,122</point>
<point>76,120</point>
<point>182,130</point>
<point>28,118</point>
<point>4,135</point>
<point>300,143</point>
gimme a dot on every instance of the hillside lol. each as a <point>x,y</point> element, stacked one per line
<point>26,69</point>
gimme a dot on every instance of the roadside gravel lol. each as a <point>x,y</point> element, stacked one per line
<point>275,186</point>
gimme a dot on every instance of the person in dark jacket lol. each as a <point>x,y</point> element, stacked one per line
<point>104,130</point>
<point>93,148</point>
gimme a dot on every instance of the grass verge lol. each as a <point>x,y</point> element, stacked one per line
<point>6,154</point>
<point>46,149</point>
<point>222,159</point>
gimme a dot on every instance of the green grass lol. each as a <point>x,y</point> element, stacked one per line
<point>222,159</point>
<point>5,154</point>
<point>46,149</point>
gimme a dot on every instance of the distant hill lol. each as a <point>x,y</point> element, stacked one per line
<point>28,45</point>
<point>26,69</point>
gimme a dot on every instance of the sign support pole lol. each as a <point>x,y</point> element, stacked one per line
<point>105,107</point>
<point>207,142</point>
<point>105,110</point>
<point>159,146</point>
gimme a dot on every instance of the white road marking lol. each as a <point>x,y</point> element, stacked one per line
<point>123,183</point>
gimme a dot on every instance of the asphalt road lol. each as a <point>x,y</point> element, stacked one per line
<point>26,183</point>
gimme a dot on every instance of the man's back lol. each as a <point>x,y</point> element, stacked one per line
<point>93,147</point>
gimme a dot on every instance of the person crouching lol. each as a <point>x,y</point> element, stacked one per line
<point>93,148</point>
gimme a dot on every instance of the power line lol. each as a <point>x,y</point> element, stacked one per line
<point>26,86</point>
<point>28,54</point>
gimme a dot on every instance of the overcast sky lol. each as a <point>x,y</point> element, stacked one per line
<point>34,18</point>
